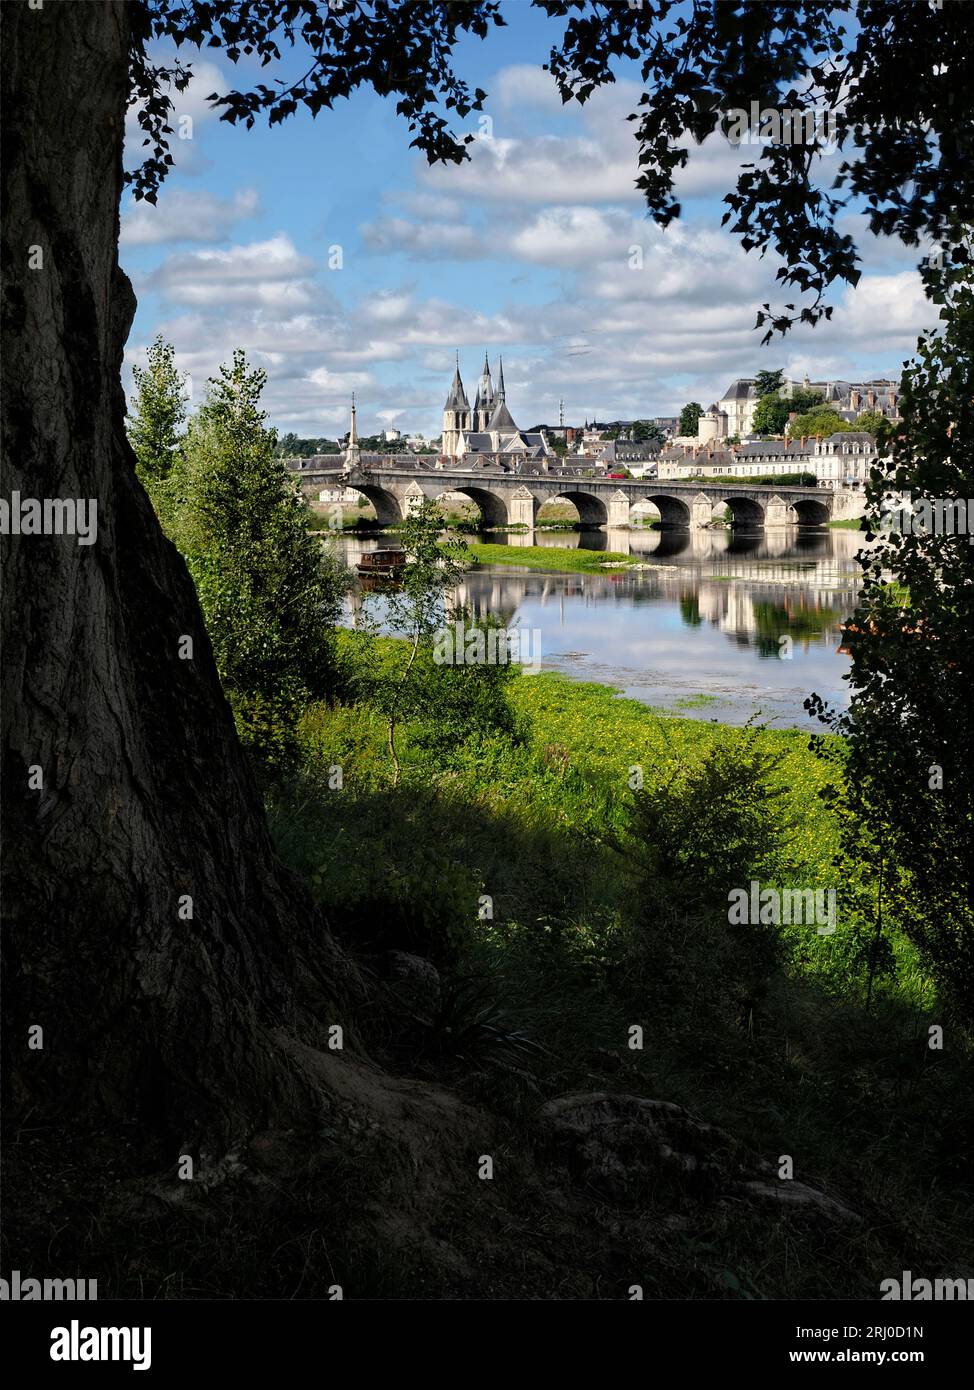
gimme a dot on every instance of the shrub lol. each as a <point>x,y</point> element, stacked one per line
<point>703,828</point>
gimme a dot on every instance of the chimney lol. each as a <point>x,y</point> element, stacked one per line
<point>819,438</point>
<point>871,398</point>
<point>804,437</point>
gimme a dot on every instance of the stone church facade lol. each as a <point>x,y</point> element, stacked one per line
<point>486,432</point>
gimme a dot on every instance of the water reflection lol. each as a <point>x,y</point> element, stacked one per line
<point>701,619</point>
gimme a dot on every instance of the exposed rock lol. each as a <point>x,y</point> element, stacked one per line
<point>415,979</point>
<point>800,1194</point>
<point>622,1143</point>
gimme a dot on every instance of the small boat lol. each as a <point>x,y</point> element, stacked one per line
<point>381,562</point>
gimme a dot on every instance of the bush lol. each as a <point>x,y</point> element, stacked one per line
<point>703,828</point>
<point>708,825</point>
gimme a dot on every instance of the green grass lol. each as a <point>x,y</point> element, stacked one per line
<point>699,701</point>
<point>538,557</point>
<point>866,1111</point>
<point>849,524</point>
<point>532,820</point>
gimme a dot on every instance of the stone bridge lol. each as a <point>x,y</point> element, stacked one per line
<point>510,499</point>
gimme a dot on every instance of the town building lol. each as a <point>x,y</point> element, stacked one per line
<point>629,451</point>
<point>840,460</point>
<point>733,414</point>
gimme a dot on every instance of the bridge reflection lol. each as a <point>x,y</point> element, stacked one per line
<point>752,589</point>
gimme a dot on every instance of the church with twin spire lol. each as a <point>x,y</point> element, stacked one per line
<point>489,428</point>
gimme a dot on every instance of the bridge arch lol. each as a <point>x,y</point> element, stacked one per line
<point>673,511</point>
<point>592,511</point>
<point>388,511</point>
<point>745,511</point>
<point>811,512</point>
<point>493,509</point>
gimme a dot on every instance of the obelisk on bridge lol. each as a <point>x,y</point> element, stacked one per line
<point>350,457</point>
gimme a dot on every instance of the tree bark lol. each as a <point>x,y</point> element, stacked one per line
<point>147,798</point>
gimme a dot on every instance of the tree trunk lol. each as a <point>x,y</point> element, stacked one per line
<point>146,798</point>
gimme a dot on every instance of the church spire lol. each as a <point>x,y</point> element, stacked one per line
<point>484,404</point>
<point>456,415</point>
<point>500,416</point>
<point>457,399</point>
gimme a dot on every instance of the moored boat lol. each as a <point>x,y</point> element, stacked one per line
<point>381,562</point>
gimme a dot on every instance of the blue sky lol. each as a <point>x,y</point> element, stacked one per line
<point>525,250</point>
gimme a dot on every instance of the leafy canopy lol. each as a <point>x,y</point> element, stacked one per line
<point>910,736</point>
<point>769,383</point>
<point>771,412</point>
<point>689,416</point>
<point>824,421</point>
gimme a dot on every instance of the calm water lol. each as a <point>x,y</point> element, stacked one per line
<point>697,631</point>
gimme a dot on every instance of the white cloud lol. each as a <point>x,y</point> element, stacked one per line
<point>425,205</point>
<point>423,240</point>
<point>523,85</point>
<point>543,169</point>
<point>573,236</point>
<point>182,215</point>
<point>267,274</point>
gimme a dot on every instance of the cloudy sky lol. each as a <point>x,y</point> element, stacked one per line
<point>340,261</point>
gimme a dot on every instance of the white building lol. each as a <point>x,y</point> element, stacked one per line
<point>840,460</point>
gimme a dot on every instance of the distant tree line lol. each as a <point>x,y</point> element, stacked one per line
<point>290,446</point>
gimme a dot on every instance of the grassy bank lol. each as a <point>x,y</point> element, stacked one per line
<point>542,557</point>
<point>578,946</point>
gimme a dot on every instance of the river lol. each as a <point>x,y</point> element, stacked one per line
<point>698,631</point>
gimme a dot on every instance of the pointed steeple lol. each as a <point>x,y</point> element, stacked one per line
<point>500,416</point>
<point>484,403</point>
<point>501,395</point>
<point>457,399</point>
<point>456,415</point>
